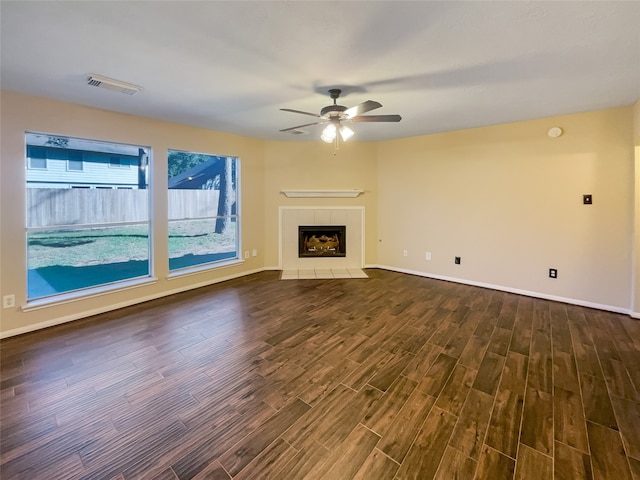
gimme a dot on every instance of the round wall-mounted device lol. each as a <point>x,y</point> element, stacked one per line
<point>554,132</point>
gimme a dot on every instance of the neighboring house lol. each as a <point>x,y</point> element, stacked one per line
<point>54,162</point>
<point>200,176</point>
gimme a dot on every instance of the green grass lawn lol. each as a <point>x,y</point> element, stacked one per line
<point>98,246</point>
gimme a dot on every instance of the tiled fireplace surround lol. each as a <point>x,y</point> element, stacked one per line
<point>349,266</point>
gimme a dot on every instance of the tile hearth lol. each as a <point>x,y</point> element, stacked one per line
<point>322,273</point>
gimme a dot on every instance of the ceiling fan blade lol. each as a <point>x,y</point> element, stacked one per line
<point>298,111</point>
<point>377,118</point>
<point>362,108</point>
<point>300,126</point>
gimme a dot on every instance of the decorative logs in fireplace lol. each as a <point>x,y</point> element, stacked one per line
<point>322,241</point>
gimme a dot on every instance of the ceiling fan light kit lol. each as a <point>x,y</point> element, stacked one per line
<point>337,115</point>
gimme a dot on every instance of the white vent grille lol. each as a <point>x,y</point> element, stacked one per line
<point>111,84</point>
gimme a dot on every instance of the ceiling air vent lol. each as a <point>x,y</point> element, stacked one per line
<point>111,84</point>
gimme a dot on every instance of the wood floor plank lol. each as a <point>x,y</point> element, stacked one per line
<point>325,381</point>
<point>504,426</point>
<point>377,465</point>
<point>387,374</point>
<point>344,462</point>
<point>436,377</point>
<point>269,462</point>
<point>167,474</point>
<point>304,461</point>
<point>499,343</point>
<point>368,369</point>
<point>456,389</point>
<point>494,465</point>
<point>596,401</point>
<point>404,428</point>
<point>455,464</point>
<point>425,455</point>
<point>565,373</point>
<point>635,468</point>
<point>381,414</point>
<point>571,464</point>
<point>628,414</point>
<point>569,422</point>
<point>489,373</point>
<point>213,471</point>
<point>422,362</point>
<point>522,329</point>
<point>585,351</point>
<point>309,424</point>
<point>537,421</point>
<point>458,342</point>
<point>533,464</point>
<point>333,431</point>
<point>474,351</point>
<point>469,433</point>
<point>252,445</point>
<point>607,453</point>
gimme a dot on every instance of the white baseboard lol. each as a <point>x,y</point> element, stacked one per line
<point>128,303</point>
<point>528,293</point>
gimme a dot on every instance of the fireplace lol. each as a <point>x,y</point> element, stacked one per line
<point>322,241</point>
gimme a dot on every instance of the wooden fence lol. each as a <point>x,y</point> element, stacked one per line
<point>79,206</point>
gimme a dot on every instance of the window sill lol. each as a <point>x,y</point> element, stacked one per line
<point>185,272</point>
<point>75,296</point>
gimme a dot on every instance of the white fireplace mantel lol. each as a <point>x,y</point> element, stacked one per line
<point>324,193</point>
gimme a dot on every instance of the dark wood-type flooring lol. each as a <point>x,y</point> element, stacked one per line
<point>391,377</point>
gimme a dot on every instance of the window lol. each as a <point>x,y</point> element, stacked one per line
<point>74,164</point>
<point>37,157</point>
<point>203,209</point>
<point>89,235</point>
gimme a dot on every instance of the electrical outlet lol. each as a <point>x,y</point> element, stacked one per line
<point>427,256</point>
<point>9,301</point>
<point>246,254</point>
<point>457,260</point>
<point>254,253</point>
<point>553,273</point>
<point>405,253</point>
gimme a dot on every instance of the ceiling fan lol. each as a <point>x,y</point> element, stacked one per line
<point>337,116</point>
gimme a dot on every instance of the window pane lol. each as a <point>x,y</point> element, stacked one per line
<point>37,157</point>
<point>75,160</point>
<point>64,260</point>
<point>81,231</point>
<point>203,215</point>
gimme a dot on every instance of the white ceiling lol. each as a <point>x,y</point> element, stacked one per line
<point>230,66</point>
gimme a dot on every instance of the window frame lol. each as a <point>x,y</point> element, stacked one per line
<point>124,279</point>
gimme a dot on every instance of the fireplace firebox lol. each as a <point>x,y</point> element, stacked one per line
<point>322,241</point>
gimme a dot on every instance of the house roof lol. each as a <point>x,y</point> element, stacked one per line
<point>196,176</point>
<point>85,145</point>
<point>231,65</point>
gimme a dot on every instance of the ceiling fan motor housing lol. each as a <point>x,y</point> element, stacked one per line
<point>332,111</point>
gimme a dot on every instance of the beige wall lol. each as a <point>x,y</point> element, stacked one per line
<point>309,165</point>
<point>636,277</point>
<point>507,199</point>
<point>22,113</point>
